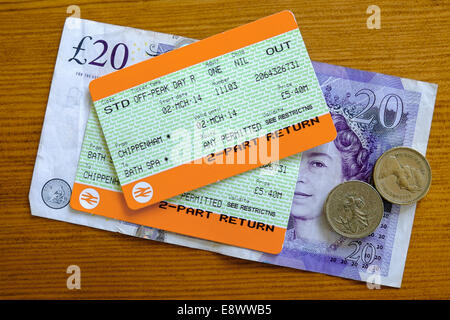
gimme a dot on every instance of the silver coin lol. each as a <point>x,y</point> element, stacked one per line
<point>56,193</point>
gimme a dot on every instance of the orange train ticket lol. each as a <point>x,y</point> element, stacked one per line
<point>211,110</point>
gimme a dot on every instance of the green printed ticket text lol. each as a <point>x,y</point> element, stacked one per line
<point>263,194</point>
<point>210,106</point>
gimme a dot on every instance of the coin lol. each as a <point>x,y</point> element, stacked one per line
<point>402,175</point>
<point>56,193</point>
<point>354,209</point>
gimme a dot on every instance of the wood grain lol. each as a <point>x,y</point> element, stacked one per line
<point>413,42</point>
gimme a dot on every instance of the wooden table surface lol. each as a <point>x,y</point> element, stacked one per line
<point>413,42</point>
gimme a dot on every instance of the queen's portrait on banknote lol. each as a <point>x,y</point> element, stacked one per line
<point>369,119</point>
<point>321,169</point>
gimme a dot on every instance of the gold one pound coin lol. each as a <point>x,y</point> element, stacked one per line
<point>402,175</point>
<point>354,209</point>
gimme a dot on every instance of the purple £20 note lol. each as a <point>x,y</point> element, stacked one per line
<point>372,113</point>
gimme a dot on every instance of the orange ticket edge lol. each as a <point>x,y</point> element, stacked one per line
<point>201,172</point>
<point>195,53</point>
<point>111,204</point>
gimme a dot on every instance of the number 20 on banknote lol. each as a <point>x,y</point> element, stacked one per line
<point>211,110</point>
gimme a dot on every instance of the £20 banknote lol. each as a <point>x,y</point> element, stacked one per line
<point>372,112</point>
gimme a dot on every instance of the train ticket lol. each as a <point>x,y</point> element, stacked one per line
<point>249,210</point>
<point>211,110</point>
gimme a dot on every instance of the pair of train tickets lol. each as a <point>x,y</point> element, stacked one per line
<point>196,116</point>
<point>198,143</point>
